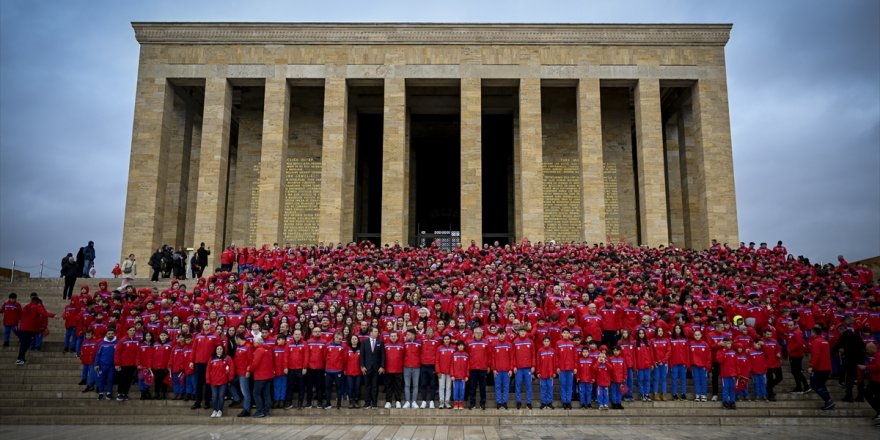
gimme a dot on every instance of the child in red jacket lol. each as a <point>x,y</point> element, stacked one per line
<point>460,372</point>
<point>602,371</point>
<point>335,353</point>
<point>618,377</point>
<point>546,369</point>
<point>743,372</point>
<point>585,378</point>
<point>758,361</point>
<point>726,358</point>
<point>87,357</point>
<point>163,350</point>
<point>12,312</point>
<point>444,358</point>
<point>219,373</point>
<point>279,361</point>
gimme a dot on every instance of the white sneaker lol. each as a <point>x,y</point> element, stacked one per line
<point>424,405</point>
<point>219,413</point>
<point>715,398</point>
<point>213,414</point>
<point>405,405</point>
<point>431,405</point>
<point>415,405</point>
<point>388,405</point>
<point>397,404</point>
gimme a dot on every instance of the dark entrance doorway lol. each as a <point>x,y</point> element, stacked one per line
<point>368,179</point>
<point>435,148</point>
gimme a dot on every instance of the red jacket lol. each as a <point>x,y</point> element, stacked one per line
<point>727,359</point>
<point>546,367</point>
<point>162,355</point>
<point>393,358</point>
<point>70,315</point>
<point>501,356</point>
<point>11,312</point>
<point>743,365</point>
<point>315,355</point>
<point>758,361</point>
<point>335,357</point>
<point>644,357</point>
<point>145,356</point>
<point>33,317</point>
<point>567,354</point>
<point>87,351</point>
<point>602,371</point>
<point>353,363</point>
<point>820,354</point>
<point>678,352</point>
<point>479,354</point>
<point>661,350</point>
<point>873,368</point>
<point>585,370</point>
<point>126,352</point>
<point>444,359</point>
<point>796,346</point>
<point>220,371</point>
<point>279,359</point>
<point>262,365</point>
<point>429,351</point>
<point>412,354</point>
<point>699,354</point>
<point>179,359</point>
<point>618,369</point>
<point>772,353</point>
<point>203,347</point>
<point>523,353</point>
<point>297,355</point>
<point>460,365</point>
<point>244,356</point>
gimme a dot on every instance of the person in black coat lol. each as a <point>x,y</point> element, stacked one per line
<point>372,365</point>
<point>155,263</point>
<point>70,271</point>
<point>80,261</point>
<point>852,354</point>
<point>202,253</point>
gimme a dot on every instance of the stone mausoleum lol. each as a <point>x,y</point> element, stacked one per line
<point>260,133</point>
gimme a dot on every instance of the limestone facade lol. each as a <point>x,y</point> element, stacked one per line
<point>246,133</point>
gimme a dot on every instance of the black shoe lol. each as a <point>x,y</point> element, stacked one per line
<point>244,413</point>
<point>518,405</point>
<point>196,405</point>
<point>483,407</point>
<point>260,415</point>
<point>82,382</point>
<point>829,405</point>
<point>529,405</point>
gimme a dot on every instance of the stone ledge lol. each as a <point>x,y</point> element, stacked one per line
<point>432,33</point>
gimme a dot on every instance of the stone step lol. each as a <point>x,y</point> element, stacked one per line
<point>515,418</point>
<point>135,409</point>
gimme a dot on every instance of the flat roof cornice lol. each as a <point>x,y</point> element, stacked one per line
<point>544,34</point>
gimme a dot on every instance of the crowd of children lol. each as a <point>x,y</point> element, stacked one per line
<point>595,324</point>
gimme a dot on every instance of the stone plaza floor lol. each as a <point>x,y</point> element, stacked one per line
<point>379,432</point>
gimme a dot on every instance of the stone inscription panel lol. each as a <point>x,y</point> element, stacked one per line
<point>302,200</point>
<point>612,208</point>
<point>562,200</point>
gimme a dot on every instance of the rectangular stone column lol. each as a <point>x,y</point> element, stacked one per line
<point>471,161</point>
<point>715,158</point>
<point>273,160</point>
<point>333,161</point>
<point>675,210</point>
<point>395,164</point>
<point>589,120</point>
<point>214,168</point>
<point>144,205</point>
<point>653,221</point>
<point>531,162</point>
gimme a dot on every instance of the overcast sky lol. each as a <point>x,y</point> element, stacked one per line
<point>804,85</point>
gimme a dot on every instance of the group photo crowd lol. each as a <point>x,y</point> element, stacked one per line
<point>588,326</point>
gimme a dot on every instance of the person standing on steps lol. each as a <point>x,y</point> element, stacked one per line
<point>70,272</point>
<point>820,366</point>
<point>203,254</point>
<point>32,317</point>
<point>372,365</point>
<point>88,259</point>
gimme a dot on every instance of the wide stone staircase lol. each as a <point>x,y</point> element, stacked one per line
<point>45,391</point>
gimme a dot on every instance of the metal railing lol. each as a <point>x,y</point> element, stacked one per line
<point>18,266</point>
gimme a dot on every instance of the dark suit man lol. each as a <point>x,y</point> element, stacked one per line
<point>372,365</point>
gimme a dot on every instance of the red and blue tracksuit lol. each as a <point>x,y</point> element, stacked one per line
<point>585,380</point>
<point>567,355</point>
<point>88,350</point>
<point>105,365</point>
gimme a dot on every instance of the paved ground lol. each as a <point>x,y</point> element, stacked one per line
<point>340,432</point>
